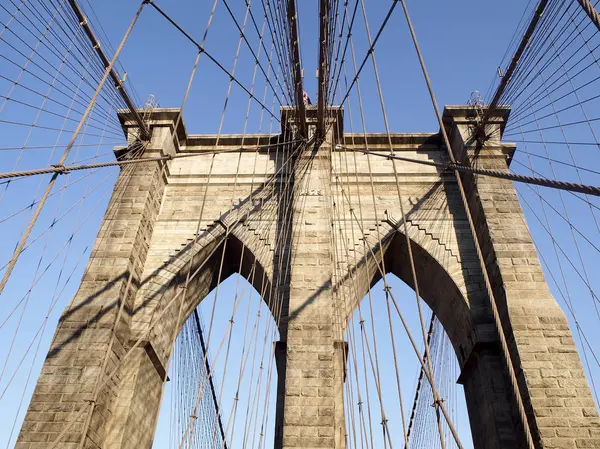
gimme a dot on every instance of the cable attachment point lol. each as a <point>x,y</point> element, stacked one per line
<point>449,166</point>
<point>438,403</point>
<point>60,169</point>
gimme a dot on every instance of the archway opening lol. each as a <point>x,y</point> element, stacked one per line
<point>222,376</point>
<point>385,386</point>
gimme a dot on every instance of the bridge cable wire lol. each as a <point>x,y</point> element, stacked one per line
<point>540,41</point>
<point>408,242</point>
<point>72,48</point>
<point>382,273</point>
<point>555,100</point>
<point>349,198</point>
<point>255,158</point>
<point>455,166</point>
<point>261,295</point>
<point>217,403</point>
<point>587,347</point>
<point>366,435</point>
<point>212,313</point>
<point>573,229</point>
<point>48,231</point>
<point>418,387</point>
<point>590,10</point>
<point>364,338</point>
<point>499,327</point>
<point>340,323</point>
<point>66,169</point>
<point>50,185</point>
<point>25,300</point>
<point>55,299</point>
<point>546,225</point>
<point>233,203</point>
<point>201,49</point>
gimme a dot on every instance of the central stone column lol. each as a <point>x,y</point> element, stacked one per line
<point>310,355</point>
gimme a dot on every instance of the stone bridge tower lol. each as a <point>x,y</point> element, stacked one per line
<point>269,209</point>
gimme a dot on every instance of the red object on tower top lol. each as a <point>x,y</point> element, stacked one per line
<point>305,98</point>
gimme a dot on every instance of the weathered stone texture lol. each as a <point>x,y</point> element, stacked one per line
<point>312,262</point>
<point>542,349</point>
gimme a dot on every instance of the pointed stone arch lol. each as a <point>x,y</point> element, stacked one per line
<point>157,318</point>
<point>212,258</point>
<point>208,259</point>
<point>140,259</point>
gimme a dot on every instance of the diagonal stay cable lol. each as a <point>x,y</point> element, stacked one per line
<point>437,399</point>
<point>555,142</point>
<point>550,160</point>
<point>83,120</point>
<point>510,365</point>
<point>254,55</point>
<point>591,12</point>
<point>343,58</point>
<point>369,51</point>
<point>287,93</point>
<point>201,49</point>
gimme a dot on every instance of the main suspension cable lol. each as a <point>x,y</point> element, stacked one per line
<point>455,166</point>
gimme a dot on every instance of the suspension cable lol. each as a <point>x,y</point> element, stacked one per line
<point>499,328</point>
<point>65,169</point>
<point>201,49</point>
<point>591,12</point>
<point>455,166</point>
<point>50,185</point>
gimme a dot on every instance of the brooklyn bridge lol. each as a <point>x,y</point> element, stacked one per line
<point>225,224</point>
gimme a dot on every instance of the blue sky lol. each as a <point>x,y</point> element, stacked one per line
<point>463,43</point>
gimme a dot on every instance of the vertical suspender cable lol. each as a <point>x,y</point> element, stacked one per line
<point>297,69</point>
<point>498,322</point>
<point>419,385</point>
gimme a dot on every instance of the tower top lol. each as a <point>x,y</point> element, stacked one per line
<point>334,120</point>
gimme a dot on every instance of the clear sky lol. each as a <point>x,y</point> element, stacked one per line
<point>463,43</point>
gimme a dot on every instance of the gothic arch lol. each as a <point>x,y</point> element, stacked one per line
<point>141,260</point>
<point>441,282</point>
<point>211,258</point>
<point>453,292</point>
<point>204,256</point>
<point>437,287</point>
